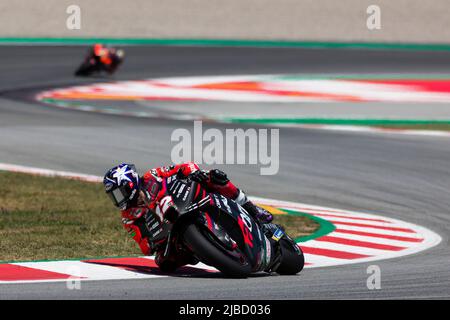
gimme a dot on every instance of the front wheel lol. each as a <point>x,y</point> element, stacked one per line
<point>211,253</point>
<point>292,259</point>
<point>85,69</point>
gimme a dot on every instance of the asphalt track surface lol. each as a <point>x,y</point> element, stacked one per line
<point>404,177</point>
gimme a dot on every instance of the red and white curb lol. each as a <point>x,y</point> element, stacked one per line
<point>357,237</point>
<point>261,88</point>
<point>92,269</point>
<point>255,88</point>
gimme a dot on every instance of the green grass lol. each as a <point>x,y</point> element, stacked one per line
<point>56,218</point>
<point>44,218</point>
<point>296,226</point>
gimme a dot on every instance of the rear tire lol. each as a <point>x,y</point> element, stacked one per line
<point>291,261</point>
<point>210,254</point>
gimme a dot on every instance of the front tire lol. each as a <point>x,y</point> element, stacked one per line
<point>210,253</point>
<point>292,261</point>
<point>86,69</point>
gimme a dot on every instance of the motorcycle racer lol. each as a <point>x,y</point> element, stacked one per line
<point>101,58</point>
<point>107,57</point>
<point>145,209</point>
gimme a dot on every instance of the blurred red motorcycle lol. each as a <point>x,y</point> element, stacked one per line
<point>101,58</point>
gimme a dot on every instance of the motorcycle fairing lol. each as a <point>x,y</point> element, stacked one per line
<point>190,196</point>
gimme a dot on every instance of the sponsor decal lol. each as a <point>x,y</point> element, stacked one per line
<point>246,232</point>
<point>277,234</point>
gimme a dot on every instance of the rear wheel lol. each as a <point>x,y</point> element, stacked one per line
<point>212,253</point>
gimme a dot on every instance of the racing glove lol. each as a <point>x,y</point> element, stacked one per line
<point>214,177</point>
<point>200,176</point>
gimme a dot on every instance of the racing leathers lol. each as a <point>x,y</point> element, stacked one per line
<point>108,59</point>
<point>148,224</point>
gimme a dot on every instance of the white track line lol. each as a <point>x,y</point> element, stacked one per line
<point>368,129</point>
<point>391,242</point>
<point>49,173</point>
<point>344,248</point>
<point>379,231</point>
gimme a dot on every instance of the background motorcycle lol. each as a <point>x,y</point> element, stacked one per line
<point>93,63</point>
<point>220,233</point>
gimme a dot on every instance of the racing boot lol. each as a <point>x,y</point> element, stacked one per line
<point>260,214</point>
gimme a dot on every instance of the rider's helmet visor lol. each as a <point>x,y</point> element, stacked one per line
<point>121,196</point>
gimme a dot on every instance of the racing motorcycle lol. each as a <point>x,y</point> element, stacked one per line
<point>220,233</point>
<point>100,59</point>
